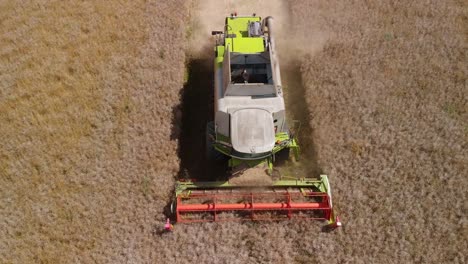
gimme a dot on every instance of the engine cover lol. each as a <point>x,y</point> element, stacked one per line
<point>252,130</point>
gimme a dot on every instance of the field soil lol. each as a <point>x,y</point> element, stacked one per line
<point>102,108</point>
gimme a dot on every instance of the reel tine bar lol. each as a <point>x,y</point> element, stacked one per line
<point>202,206</point>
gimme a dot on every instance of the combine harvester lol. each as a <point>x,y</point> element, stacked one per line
<point>249,129</point>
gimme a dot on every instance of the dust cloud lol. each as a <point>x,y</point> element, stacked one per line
<point>210,15</point>
<point>294,40</point>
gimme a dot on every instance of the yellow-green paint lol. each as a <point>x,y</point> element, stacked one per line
<point>236,38</point>
<point>242,43</point>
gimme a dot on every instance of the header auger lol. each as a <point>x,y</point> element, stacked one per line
<point>248,131</point>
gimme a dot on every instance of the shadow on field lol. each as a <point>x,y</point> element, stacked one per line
<point>197,111</point>
<point>197,105</point>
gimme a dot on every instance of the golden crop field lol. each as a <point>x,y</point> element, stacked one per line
<point>98,117</point>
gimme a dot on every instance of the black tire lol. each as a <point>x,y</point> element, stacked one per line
<point>211,153</point>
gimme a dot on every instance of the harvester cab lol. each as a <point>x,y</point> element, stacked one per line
<point>249,129</point>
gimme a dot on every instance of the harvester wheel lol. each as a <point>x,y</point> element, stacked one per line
<point>211,153</point>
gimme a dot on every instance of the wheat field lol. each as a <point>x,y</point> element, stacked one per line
<point>93,106</point>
